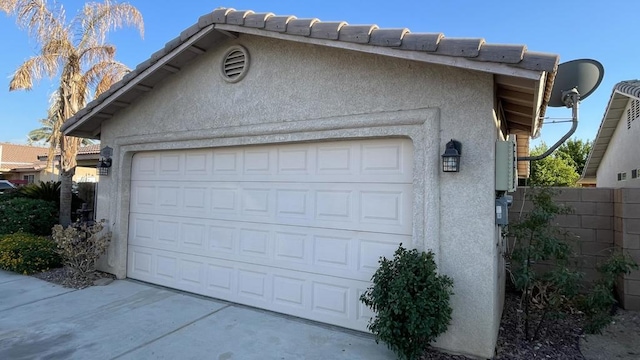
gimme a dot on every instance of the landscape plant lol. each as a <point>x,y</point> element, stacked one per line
<point>81,245</point>
<point>27,253</point>
<point>49,191</point>
<point>43,190</point>
<point>410,301</point>
<point>537,241</point>
<point>599,304</point>
<point>34,216</point>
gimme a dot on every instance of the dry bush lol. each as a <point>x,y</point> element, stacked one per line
<point>81,245</point>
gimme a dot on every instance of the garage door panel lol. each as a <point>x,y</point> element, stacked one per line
<point>389,160</point>
<point>365,207</point>
<point>329,251</point>
<point>297,229</point>
<point>312,296</point>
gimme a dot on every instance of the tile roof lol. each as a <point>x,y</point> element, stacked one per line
<point>19,156</point>
<point>92,149</point>
<point>472,53</point>
<point>620,95</point>
<point>629,87</point>
<point>89,149</point>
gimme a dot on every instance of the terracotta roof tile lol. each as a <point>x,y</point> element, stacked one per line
<point>15,156</point>
<point>472,49</point>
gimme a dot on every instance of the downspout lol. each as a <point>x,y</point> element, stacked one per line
<point>571,99</point>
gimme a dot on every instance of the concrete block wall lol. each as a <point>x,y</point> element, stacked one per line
<point>592,221</point>
<point>627,236</point>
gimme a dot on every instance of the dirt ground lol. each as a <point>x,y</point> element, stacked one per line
<point>620,340</point>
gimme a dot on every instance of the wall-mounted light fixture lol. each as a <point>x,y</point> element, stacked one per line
<point>451,156</point>
<point>105,161</point>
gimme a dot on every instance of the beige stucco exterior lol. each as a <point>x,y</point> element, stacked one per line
<point>299,92</point>
<point>622,155</point>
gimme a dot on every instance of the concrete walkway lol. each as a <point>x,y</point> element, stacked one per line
<point>131,320</point>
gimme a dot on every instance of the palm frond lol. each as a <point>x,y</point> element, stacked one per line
<point>41,134</point>
<point>33,69</point>
<point>102,75</point>
<point>100,18</point>
<point>8,6</point>
<point>97,54</point>
<point>36,17</point>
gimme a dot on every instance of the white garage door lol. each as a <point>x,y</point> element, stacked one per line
<point>295,228</point>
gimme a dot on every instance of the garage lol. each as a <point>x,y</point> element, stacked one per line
<point>292,228</point>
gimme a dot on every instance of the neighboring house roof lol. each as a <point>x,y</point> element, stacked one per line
<point>620,96</point>
<point>524,79</point>
<point>89,149</point>
<point>87,155</point>
<point>22,157</point>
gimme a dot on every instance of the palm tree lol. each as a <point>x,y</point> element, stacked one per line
<point>76,54</point>
<point>44,134</point>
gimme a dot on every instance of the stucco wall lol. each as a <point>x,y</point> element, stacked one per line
<point>298,92</point>
<point>622,155</point>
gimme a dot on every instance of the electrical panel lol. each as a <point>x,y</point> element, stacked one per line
<point>506,165</point>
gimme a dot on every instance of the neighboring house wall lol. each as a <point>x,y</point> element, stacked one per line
<point>297,92</point>
<point>85,174</point>
<point>623,152</point>
<point>20,163</point>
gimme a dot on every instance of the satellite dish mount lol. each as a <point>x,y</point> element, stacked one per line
<point>572,76</point>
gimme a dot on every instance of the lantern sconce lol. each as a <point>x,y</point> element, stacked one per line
<point>105,161</point>
<point>451,156</point>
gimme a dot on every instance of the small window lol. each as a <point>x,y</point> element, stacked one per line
<point>624,176</point>
<point>634,173</point>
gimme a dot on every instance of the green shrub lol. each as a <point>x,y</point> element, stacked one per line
<point>27,215</point>
<point>599,303</point>
<point>27,253</point>
<point>81,245</point>
<point>538,240</point>
<point>411,302</point>
<point>49,191</point>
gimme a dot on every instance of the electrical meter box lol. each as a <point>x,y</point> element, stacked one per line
<point>506,165</point>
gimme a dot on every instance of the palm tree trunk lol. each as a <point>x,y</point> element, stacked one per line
<point>66,196</point>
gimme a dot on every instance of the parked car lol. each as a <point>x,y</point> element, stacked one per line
<point>5,185</point>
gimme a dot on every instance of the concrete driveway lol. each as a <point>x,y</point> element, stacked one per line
<point>132,320</point>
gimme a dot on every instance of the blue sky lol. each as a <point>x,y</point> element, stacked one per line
<point>598,29</point>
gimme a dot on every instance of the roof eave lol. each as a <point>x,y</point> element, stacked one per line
<point>108,97</point>
<point>605,132</point>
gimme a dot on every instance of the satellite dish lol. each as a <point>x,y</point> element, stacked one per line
<point>584,75</point>
<point>575,80</point>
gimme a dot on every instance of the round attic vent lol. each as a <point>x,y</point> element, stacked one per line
<point>235,64</point>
